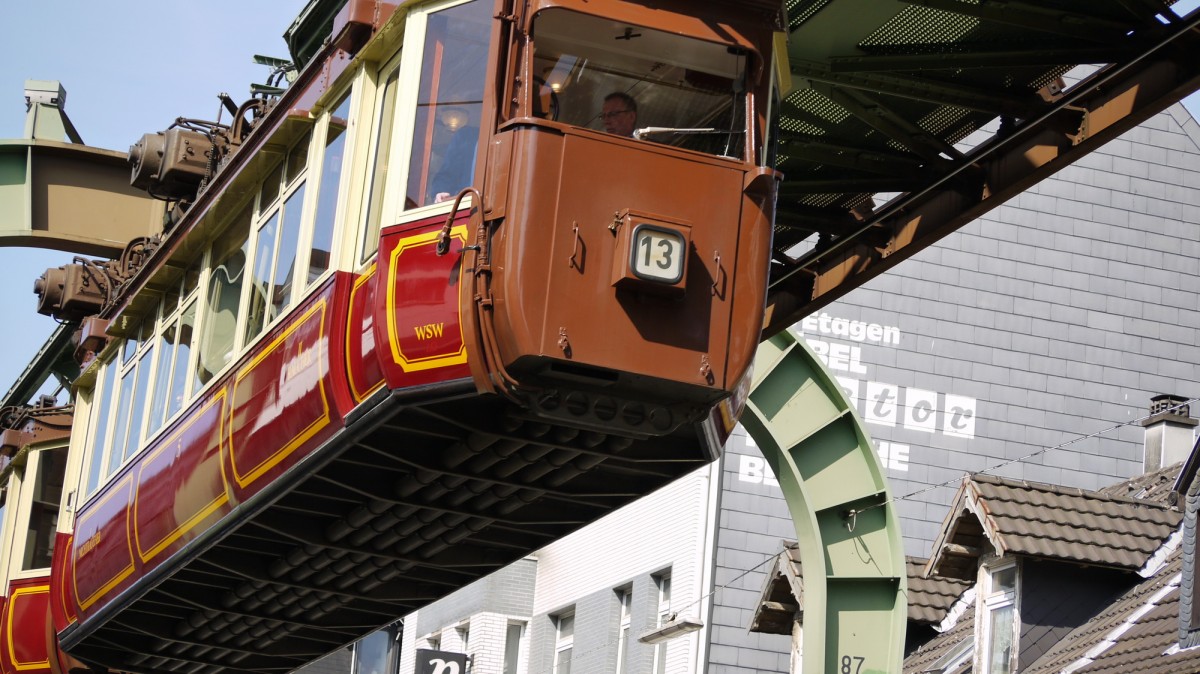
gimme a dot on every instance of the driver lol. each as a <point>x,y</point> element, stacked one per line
<point>619,114</point>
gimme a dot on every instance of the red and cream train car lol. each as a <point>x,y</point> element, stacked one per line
<point>424,318</point>
<point>33,459</point>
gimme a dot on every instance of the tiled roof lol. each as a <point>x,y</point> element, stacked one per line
<point>781,601</point>
<point>1156,486</point>
<point>942,646</point>
<point>1142,626</point>
<point>929,599</point>
<point>1041,520</point>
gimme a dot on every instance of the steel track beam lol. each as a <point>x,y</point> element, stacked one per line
<point>1109,103</point>
<point>69,197</point>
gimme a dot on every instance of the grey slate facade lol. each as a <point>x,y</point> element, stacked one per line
<point>1056,316</point>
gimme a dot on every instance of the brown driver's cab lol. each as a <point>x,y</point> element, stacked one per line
<point>621,270</point>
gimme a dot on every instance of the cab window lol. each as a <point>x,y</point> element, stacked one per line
<point>617,78</point>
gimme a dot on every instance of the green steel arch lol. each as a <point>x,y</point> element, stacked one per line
<point>855,589</point>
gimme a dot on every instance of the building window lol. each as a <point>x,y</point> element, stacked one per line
<point>513,638</point>
<point>998,619</point>
<point>564,642</point>
<point>374,653</point>
<point>662,583</point>
<point>624,598</point>
<point>464,636</point>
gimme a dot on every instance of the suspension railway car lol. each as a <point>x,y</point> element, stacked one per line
<point>386,344</point>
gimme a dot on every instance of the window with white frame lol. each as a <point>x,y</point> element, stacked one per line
<point>464,637</point>
<point>624,600</point>
<point>277,225</point>
<point>41,491</point>
<point>998,618</point>
<point>662,583</point>
<point>386,115</point>
<point>449,104</point>
<point>320,252</point>
<point>564,642</point>
<point>514,637</point>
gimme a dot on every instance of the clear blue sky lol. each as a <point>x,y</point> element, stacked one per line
<point>131,67</point>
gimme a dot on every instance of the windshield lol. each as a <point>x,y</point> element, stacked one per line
<point>639,82</point>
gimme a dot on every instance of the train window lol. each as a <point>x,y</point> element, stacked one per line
<point>102,404</point>
<point>174,350</point>
<point>284,273</point>
<point>297,158</point>
<point>276,240</point>
<point>328,190</point>
<point>137,413</point>
<point>270,188</point>
<point>260,282</point>
<point>449,103</point>
<point>671,88</point>
<point>227,266</point>
<point>121,422</point>
<point>379,172</point>
<point>47,482</point>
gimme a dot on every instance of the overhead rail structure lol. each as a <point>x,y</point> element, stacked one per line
<point>884,93</point>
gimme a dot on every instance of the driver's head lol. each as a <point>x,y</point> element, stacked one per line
<point>619,114</point>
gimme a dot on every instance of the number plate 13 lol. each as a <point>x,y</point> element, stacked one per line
<point>657,254</point>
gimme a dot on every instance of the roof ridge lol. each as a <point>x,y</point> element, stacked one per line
<point>1064,491</point>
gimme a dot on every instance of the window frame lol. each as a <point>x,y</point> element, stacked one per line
<point>374,198</point>
<point>391,651</point>
<point>624,625</point>
<point>662,593</point>
<point>404,122</point>
<point>22,485</point>
<point>991,601</point>
<point>563,643</point>
<point>521,647</point>
<point>261,216</point>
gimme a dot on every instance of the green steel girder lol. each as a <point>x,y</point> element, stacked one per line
<point>847,529</point>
